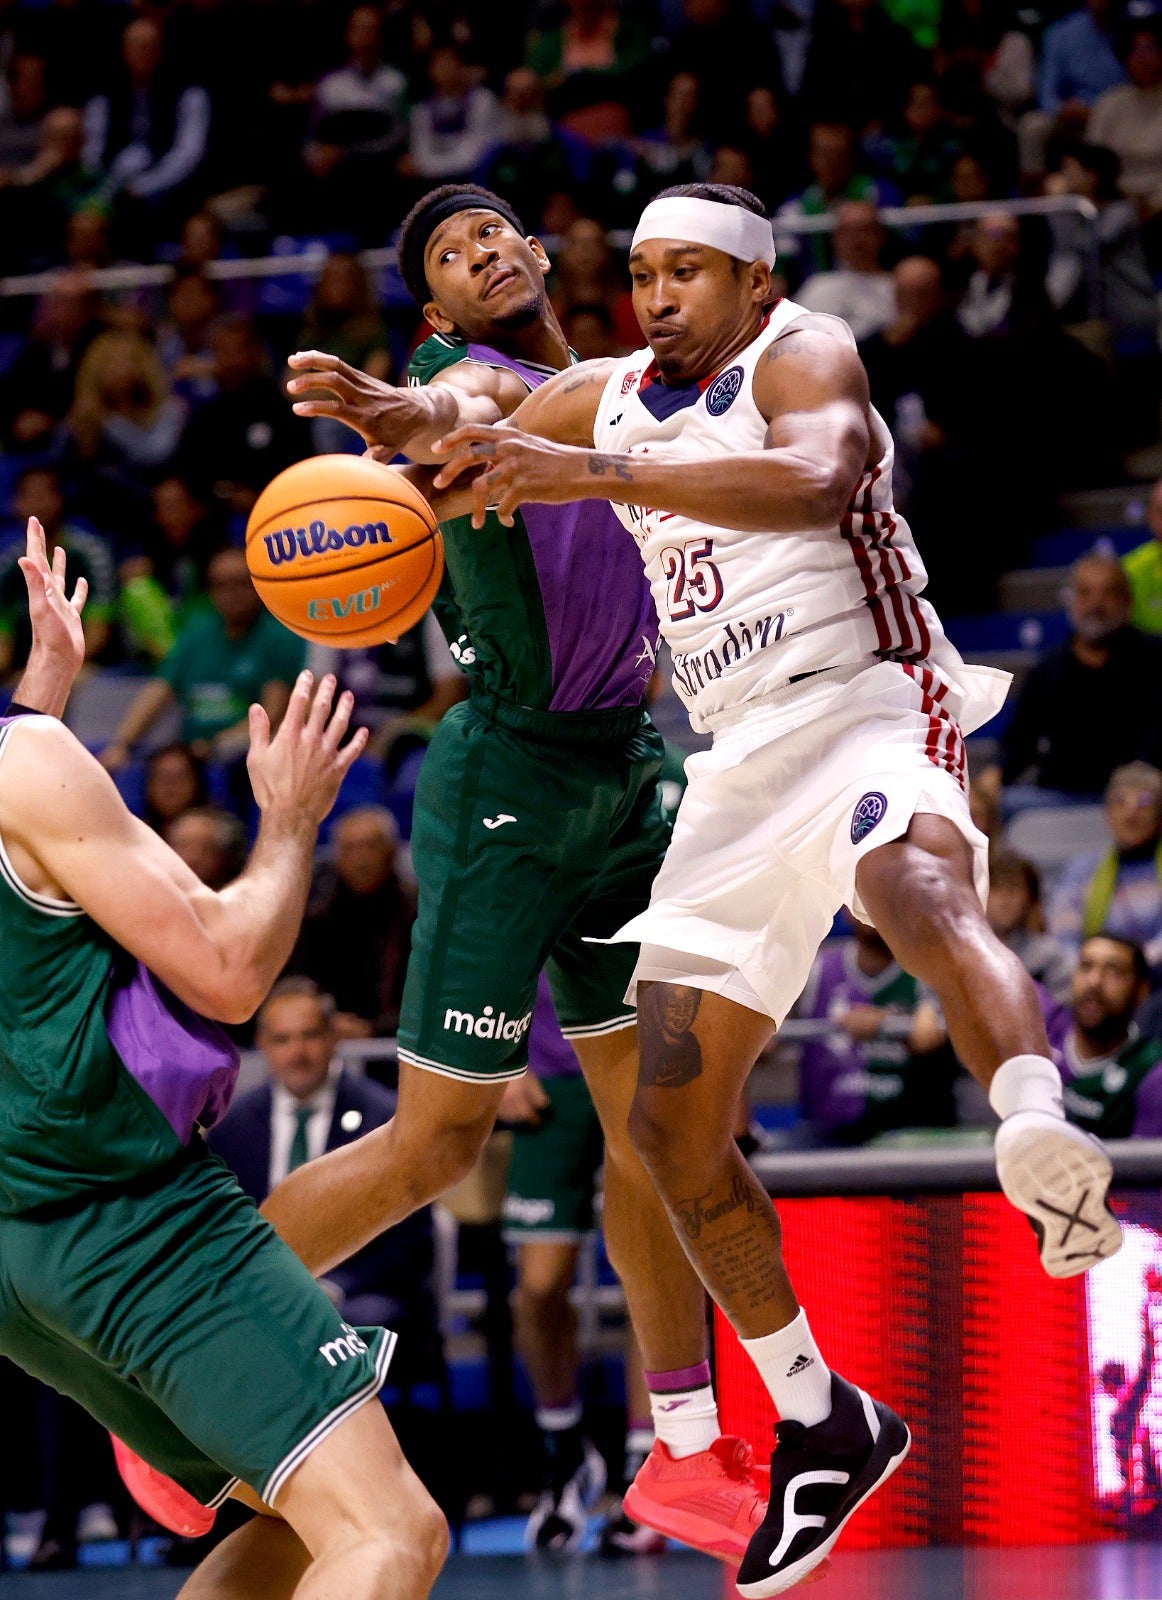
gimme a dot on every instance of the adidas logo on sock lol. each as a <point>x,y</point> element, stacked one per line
<point>800,1364</point>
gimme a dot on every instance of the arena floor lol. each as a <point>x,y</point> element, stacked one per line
<point>1086,1572</point>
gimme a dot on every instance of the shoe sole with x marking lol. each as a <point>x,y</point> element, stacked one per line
<point>1059,1176</point>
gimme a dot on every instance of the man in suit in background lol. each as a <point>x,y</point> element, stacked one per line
<point>311,1104</point>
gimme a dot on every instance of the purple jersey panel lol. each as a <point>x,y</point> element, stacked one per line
<point>550,1053</point>
<point>186,1065</point>
<point>599,614</point>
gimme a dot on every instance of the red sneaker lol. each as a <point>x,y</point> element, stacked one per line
<point>710,1501</point>
<point>160,1497</point>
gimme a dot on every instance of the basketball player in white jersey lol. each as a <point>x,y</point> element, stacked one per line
<point>743,455</point>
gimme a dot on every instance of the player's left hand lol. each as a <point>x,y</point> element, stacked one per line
<point>520,467</point>
<point>58,637</point>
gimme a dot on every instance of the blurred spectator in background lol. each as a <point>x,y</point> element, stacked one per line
<point>772,147</point>
<point>1143,567</point>
<point>1079,62</point>
<point>192,302</point>
<point>37,390</point>
<point>529,163</point>
<point>89,556</point>
<point>1085,707</point>
<point>675,151</point>
<point>925,379</point>
<point>1014,915</point>
<point>344,320</point>
<point>1118,890</point>
<point>211,842</point>
<point>991,302</point>
<point>148,130</point>
<point>919,160</point>
<point>401,689</point>
<point>175,782</point>
<point>719,43</point>
<point>590,331</point>
<point>453,130</point>
<point>358,132</point>
<point>40,199</point>
<point>124,415</point>
<point>881,1062</point>
<point>237,441</point>
<point>225,657</point>
<point>1128,119</point>
<point>857,288</point>
<point>589,65</point>
<point>832,156</point>
<point>1127,300</point>
<point>1111,1074</point>
<point>310,1103</point>
<point>859,64</point>
<point>557,1153</point>
<point>24,104</point>
<point>979,42</point>
<point>357,930</point>
<point>167,576</point>
<point>587,273</point>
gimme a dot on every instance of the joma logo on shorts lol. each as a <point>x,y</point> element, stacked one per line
<point>288,544</point>
<point>357,604</point>
<point>486,1025</point>
<point>345,1348</point>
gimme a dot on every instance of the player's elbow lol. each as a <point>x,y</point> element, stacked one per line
<point>825,494</point>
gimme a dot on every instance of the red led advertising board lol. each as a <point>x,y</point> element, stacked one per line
<point>1035,1406</point>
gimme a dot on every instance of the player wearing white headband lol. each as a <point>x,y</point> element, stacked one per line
<point>743,454</point>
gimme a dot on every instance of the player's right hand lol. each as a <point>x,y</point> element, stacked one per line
<point>381,413</point>
<point>297,773</point>
<point>523,1101</point>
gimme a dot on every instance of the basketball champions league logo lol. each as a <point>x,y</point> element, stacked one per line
<point>724,391</point>
<point>868,813</point>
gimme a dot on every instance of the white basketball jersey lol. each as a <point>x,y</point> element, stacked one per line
<point>746,613</point>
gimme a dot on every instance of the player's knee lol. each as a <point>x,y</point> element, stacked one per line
<point>668,1147</point>
<point>415,1541</point>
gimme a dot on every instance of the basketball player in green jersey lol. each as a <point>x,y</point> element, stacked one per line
<point>135,1276</point>
<point>538,826</point>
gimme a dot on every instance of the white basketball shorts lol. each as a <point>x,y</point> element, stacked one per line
<point>768,838</point>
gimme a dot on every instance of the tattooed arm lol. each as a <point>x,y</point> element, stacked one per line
<point>809,386</point>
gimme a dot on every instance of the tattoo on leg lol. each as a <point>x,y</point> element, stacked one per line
<point>670,1053</point>
<point>696,1213</point>
<point>734,1241</point>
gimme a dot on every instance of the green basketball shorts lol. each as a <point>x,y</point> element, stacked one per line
<point>172,1312</point>
<point>525,846</point>
<point>554,1166</point>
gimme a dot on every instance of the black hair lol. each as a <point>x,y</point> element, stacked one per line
<point>1105,164</point>
<point>726,194</point>
<point>426,216</point>
<point>1137,954</point>
<point>1006,864</point>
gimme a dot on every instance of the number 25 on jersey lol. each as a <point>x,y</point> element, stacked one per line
<point>693,582</point>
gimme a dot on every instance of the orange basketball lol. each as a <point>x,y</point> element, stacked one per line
<point>344,551</point>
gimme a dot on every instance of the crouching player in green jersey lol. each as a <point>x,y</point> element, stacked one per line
<point>135,1276</point>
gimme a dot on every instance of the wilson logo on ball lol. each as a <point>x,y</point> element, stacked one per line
<point>287,544</point>
<point>350,605</point>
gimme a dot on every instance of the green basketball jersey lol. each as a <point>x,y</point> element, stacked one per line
<point>554,613</point>
<point>73,1113</point>
<point>1101,1096</point>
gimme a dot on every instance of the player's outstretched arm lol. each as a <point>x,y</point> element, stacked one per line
<point>810,387</point>
<point>69,834</point>
<point>403,421</point>
<point>58,638</point>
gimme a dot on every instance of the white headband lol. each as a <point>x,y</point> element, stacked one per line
<point>731,229</point>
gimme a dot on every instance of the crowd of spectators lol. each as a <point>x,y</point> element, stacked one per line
<point>1015,357</point>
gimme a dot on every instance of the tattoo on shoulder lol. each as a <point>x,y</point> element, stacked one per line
<point>670,1053</point>
<point>600,465</point>
<point>800,342</point>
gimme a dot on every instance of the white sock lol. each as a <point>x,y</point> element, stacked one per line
<point>1026,1083</point>
<point>790,1365</point>
<point>685,1422</point>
